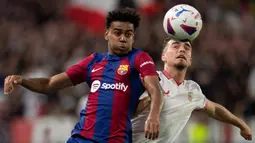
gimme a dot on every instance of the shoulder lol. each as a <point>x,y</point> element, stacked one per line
<point>98,56</point>
<point>94,57</point>
<point>134,50</point>
<point>140,57</point>
<point>192,85</point>
<point>195,91</point>
<point>160,74</point>
<point>137,52</point>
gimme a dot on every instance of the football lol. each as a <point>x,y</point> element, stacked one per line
<point>182,22</point>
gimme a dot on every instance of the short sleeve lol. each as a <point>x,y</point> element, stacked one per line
<point>145,65</point>
<point>199,97</point>
<point>201,102</point>
<point>78,72</point>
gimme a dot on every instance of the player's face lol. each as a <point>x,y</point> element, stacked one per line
<point>177,54</point>
<point>120,37</point>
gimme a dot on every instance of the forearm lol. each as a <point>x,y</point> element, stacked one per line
<point>40,85</point>
<point>144,103</point>
<point>156,102</point>
<point>222,114</point>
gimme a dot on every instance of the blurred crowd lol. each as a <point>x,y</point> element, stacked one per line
<point>37,40</point>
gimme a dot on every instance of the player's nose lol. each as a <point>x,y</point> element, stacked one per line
<point>181,48</point>
<point>123,38</point>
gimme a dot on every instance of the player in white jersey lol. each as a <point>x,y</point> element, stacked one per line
<point>181,98</point>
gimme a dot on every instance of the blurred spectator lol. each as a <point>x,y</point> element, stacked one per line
<point>54,127</point>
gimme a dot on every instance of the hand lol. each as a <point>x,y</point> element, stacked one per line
<point>11,82</point>
<point>152,126</point>
<point>246,133</point>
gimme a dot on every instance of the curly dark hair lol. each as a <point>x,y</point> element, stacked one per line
<point>123,15</point>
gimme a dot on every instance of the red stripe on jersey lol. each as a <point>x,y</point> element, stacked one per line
<point>120,103</point>
<point>78,72</point>
<point>92,103</point>
<point>144,64</point>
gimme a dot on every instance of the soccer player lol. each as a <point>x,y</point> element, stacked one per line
<point>114,79</point>
<point>181,97</point>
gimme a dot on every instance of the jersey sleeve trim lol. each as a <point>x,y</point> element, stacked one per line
<point>144,64</point>
<point>205,104</point>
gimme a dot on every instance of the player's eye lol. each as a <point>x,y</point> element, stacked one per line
<point>129,34</point>
<point>187,47</point>
<point>117,33</point>
<point>175,46</point>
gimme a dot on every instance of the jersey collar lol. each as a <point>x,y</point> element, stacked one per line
<point>170,78</point>
<point>112,57</point>
<point>115,57</point>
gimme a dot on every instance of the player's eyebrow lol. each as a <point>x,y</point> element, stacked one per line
<point>116,28</point>
<point>175,42</point>
<point>188,44</point>
<point>128,30</point>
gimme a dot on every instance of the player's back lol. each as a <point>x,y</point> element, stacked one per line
<point>115,89</point>
<point>180,100</point>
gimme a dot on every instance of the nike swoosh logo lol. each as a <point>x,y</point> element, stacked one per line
<point>94,70</point>
<point>166,93</point>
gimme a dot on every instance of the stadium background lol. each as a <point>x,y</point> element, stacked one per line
<point>39,38</point>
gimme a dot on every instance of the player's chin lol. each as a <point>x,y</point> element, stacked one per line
<point>181,65</point>
<point>122,50</point>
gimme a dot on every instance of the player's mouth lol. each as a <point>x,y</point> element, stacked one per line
<point>123,46</point>
<point>181,57</point>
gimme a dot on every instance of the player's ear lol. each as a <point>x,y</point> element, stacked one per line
<point>134,38</point>
<point>106,34</point>
<point>163,57</point>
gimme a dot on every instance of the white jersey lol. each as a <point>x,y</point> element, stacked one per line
<point>179,102</point>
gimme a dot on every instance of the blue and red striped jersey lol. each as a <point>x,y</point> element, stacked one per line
<point>115,88</point>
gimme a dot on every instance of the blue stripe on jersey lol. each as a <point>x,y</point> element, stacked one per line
<point>97,58</point>
<point>103,128</point>
<point>136,86</point>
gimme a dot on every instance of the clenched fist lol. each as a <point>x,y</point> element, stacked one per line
<point>152,127</point>
<point>246,133</point>
<point>11,82</point>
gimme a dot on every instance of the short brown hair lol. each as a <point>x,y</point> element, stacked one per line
<point>167,39</point>
<point>165,43</point>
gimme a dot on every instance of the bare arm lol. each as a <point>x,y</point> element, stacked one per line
<point>143,103</point>
<point>151,83</point>
<point>152,124</point>
<point>74,75</point>
<point>220,113</point>
<point>40,85</point>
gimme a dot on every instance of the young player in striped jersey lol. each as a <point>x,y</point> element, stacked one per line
<point>114,79</point>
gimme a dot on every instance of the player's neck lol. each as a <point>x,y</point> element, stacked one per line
<point>177,75</point>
